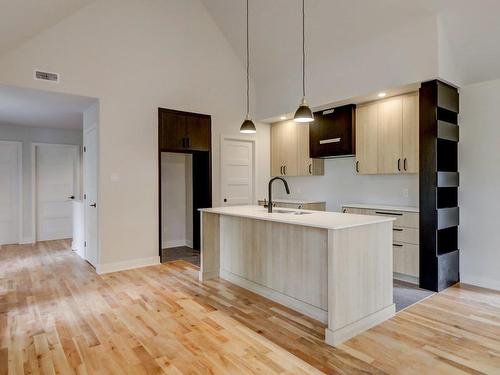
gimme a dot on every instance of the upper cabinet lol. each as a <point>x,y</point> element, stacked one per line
<point>183,131</point>
<point>290,151</point>
<point>387,136</point>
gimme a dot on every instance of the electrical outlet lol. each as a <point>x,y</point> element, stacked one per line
<point>405,193</point>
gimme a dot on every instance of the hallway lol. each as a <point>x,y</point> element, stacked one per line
<point>58,316</point>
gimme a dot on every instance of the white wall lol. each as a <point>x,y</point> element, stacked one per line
<point>177,207</point>
<point>136,56</point>
<point>342,185</point>
<point>403,56</point>
<point>29,135</point>
<point>479,192</point>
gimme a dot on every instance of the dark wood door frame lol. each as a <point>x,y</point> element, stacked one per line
<point>201,169</point>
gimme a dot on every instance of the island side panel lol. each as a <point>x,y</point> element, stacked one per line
<point>210,246</point>
<point>360,285</point>
<point>283,262</point>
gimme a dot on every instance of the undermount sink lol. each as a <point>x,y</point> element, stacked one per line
<point>291,212</point>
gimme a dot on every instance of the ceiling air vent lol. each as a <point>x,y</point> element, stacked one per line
<point>46,76</point>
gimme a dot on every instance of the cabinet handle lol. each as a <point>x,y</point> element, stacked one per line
<point>389,213</point>
<point>357,166</point>
<point>404,164</point>
<point>281,170</point>
<point>399,164</point>
<point>397,229</point>
<point>188,141</point>
<point>344,210</point>
<point>310,168</point>
<point>284,170</point>
<point>397,245</point>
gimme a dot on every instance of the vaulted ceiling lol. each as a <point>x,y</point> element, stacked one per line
<point>22,19</point>
<point>470,27</point>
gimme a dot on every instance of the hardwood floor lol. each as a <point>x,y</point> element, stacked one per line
<point>58,316</point>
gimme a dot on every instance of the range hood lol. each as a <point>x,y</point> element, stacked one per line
<point>332,134</point>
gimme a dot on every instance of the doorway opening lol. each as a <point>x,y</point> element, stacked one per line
<point>185,182</point>
<point>44,153</point>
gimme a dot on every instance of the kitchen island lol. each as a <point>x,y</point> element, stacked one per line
<point>333,267</point>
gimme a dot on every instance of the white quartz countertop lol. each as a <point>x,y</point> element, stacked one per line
<point>293,201</point>
<point>382,207</point>
<point>317,219</point>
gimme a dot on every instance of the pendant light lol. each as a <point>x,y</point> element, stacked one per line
<point>248,126</point>
<point>304,113</point>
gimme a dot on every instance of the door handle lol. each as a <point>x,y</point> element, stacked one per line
<point>71,197</point>
<point>93,205</point>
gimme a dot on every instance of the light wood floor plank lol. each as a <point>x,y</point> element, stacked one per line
<point>58,317</point>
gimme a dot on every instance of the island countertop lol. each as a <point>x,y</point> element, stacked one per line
<point>316,219</point>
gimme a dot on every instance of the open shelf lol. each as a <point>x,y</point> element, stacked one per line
<point>447,240</point>
<point>447,156</point>
<point>447,197</point>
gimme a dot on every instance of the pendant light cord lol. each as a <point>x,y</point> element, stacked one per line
<point>303,50</point>
<point>248,69</point>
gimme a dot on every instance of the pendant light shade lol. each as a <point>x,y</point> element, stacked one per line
<point>248,126</point>
<point>303,113</point>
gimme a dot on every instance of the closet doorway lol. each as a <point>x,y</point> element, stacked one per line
<point>185,182</point>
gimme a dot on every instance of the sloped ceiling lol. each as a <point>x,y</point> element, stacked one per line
<point>471,27</point>
<point>22,19</point>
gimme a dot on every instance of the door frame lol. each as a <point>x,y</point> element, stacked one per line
<point>34,202</point>
<point>238,138</point>
<point>20,189</point>
<point>84,189</point>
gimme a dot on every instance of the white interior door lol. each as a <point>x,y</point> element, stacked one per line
<point>57,180</point>
<point>90,188</point>
<point>9,192</point>
<point>237,172</point>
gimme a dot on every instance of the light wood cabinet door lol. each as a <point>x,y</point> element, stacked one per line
<point>276,150</point>
<point>390,136</point>
<point>367,139</point>
<point>406,259</point>
<point>304,162</point>
<point>289,148</point>
<point>410,133</point>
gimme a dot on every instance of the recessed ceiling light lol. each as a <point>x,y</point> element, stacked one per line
<point>381,94</point>
<point>283,118</point>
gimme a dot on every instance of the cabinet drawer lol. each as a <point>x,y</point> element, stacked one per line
<point>403,219</point>
<point>407,235</point>
<point>406,259</point>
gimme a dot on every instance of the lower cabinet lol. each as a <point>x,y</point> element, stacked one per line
<point>406,242</point>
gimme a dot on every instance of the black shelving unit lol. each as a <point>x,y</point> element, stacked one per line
<point>439,181</point>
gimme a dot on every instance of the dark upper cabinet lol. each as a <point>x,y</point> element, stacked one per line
<point>183,131</point>
<point>332,134</point>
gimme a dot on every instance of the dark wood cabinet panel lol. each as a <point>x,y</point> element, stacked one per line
<point>332,133</point>
<point>198,133</point>
<point>183,131</point>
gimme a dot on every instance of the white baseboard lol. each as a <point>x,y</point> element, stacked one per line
<point>127,265</point>
<point>26,241</point>
<point>302,307</point>
<point>176,243</point>
<point>480,281</point>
